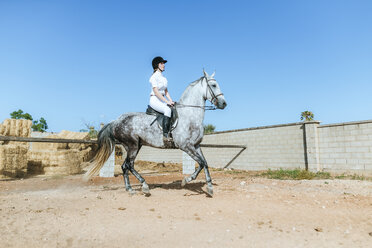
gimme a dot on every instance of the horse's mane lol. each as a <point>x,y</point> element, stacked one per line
<point>195,82</point>
<point>187,90</point>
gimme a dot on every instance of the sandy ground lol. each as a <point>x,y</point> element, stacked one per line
<point>246,211</point>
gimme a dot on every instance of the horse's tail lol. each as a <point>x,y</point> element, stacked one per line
<point>106,144</point>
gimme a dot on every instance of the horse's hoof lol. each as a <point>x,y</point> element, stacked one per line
<point>210,191</point>
<point>131,191</point>
<point>145,189</point>
<point>184,182</point>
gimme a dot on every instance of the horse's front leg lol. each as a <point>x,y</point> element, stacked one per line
<point>193,176</point>
<point>197,155</point>
<point>208,178</point>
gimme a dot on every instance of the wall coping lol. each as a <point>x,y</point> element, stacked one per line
<point>346,123</point>
<point>263,127</point>
<point>293,124</point>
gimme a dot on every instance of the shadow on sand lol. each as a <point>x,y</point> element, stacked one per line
<point>196,188</point>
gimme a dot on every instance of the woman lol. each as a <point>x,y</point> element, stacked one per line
<point>160,99</point>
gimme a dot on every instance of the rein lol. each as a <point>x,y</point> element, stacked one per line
<point>178,105</point>
<point>214,97</point>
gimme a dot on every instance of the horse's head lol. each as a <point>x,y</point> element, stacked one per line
<point>213,91</point>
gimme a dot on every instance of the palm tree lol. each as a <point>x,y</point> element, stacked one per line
<point>307,115</point>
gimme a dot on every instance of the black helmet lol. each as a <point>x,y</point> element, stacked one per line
<point>156,61</point>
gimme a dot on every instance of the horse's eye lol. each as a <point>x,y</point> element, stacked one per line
<point>213,85</point>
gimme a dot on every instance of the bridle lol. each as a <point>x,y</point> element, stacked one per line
<point>214,97</point>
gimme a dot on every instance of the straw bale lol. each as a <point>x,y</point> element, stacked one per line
<point>64,134</point>
<point>13,161</point>
<point>69,157</point>
<point>16,127</point>
<point>55,170</point>
<point>2,129</point>
<point>49,146</point>
<point>119,154</point>
<point>70,160</point>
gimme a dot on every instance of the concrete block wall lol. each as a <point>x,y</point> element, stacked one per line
<point>346,147</point>
<point>279,146</point>
<point>341,147</point>
<point>159,155</point>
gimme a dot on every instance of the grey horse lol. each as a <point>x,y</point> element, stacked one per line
<point>133,130</point>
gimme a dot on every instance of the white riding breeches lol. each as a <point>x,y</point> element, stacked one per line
<point>160,106</point>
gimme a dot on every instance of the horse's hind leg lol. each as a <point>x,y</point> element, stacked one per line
<point>131,156</point>
<point>125,168</point>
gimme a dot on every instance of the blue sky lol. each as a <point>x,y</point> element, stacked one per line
<point>76,62</point>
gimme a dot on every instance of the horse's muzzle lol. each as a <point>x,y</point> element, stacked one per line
<point>221,104</point>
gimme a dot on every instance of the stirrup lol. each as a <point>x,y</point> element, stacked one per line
<point>168,142</point>
<point>167,139</point>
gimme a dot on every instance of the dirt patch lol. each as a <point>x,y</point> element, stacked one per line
<point>246,211</point>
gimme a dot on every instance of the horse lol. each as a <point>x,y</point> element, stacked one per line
<point>133,130</point>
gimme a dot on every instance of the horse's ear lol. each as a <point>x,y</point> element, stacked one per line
<point>213,74</point>
<point>205,73</point>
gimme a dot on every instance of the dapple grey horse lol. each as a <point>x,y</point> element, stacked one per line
<point>133,130</point>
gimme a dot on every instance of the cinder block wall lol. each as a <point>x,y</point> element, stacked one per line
<point>346,147</point>
<point>341,147</point>
<point>159,155</point>
<point>279,146</point>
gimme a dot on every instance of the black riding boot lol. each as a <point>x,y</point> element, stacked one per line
<point>166,129</point>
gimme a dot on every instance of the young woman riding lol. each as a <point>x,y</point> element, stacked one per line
<point>160,99</point>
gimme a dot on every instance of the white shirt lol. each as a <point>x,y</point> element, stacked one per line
<point>158,80</point>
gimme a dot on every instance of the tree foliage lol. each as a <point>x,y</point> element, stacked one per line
<point>37,125</point>
<point>93,133</point>
<point>91,129</point>
<point>40,125</point>
<point>20,115</point>
<point>307,116</point>
<point>209,128</point>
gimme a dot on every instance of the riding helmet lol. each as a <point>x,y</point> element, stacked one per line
<point>156,61</point>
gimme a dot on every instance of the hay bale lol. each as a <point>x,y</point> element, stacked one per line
<point>13,161</point>
<point>64,134</point>
<point>13,155</point>
<point>16,127</point>
<point>57,162</point>
<point>50,146</point>
<point>120,154</point>
<point>60,158</point>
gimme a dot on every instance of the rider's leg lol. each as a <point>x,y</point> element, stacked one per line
<point>166,126</point>
<point>161,107</point>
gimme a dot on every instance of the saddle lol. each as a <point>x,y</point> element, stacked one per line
<point>160,116</point>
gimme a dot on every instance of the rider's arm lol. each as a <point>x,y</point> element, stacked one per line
<point>160,96</point>
<point>168,95</point>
